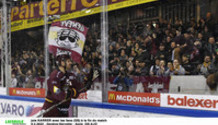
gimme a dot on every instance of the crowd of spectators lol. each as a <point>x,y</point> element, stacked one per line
<point>27,68</point>
<point>158,48</point>
<point>161,48</point>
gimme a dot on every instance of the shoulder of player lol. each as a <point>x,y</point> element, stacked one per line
<point>71,75</point>
<point>56,74</point>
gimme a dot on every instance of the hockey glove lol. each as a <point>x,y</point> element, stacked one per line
<point>89,81</point>
<point>72,93</point>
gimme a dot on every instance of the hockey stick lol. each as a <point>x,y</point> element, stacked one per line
<point>61,102</point>
<point>65,100</point>
<point>52,107</point>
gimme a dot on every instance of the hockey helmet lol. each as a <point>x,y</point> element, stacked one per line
<point>62,55</point>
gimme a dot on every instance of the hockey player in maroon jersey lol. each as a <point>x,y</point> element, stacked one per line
<point>62,85</point>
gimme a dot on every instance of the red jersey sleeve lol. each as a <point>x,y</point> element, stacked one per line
<point>56,86</point>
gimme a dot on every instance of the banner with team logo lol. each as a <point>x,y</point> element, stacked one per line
<point>67,36</point>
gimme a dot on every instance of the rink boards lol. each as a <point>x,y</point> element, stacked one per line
<point>170,105</point>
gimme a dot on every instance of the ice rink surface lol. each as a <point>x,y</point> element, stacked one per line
<point>108,113</point>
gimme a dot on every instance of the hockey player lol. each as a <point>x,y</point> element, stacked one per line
<point>62,85</point>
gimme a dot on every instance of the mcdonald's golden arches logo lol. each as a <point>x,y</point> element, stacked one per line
<point>14,91</point>
<point>38,92</point>
<point>111,96</point>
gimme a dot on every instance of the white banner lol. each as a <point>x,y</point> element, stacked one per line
<point>195,84</point>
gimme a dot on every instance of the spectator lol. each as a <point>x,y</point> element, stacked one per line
<point>206,33</point>
<point>210,47</point>
<point>123,57</point>
<point>137,67</point>
<point>171,51</point>
<point>13,81</point>
<point>141,68</point>
<point>154,68</point>
<point>131,70</point>
<point>117,48</point>
<point>137,48</point>
<point>114,71</point>
<point>162,53</point>
<point>214,64</point>
<point>197,52</point>
<point>210,22</point>
<point>144,68</point>
<point>170,67</point>
<point>128,47</point>
<point>201,25</point>
<point>189,68</point>
<point>133,55</point>
<point>123,81</point>
<point>204,67</point>
<point>200,39</point>
<point>29,80</point>
<point>138,41</point>
<point>168,43</point>
<point>16,70</point>
<point>163,70</point>
<point>178,69</point>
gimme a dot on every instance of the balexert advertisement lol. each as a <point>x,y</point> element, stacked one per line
<point>190,101</point>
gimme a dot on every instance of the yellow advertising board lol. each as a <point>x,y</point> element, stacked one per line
<point>31,15</point>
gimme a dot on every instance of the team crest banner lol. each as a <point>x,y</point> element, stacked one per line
<point>67,36</point>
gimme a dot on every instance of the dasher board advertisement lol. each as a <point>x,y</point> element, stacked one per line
<point>202,102</point>
<point>148,99</point>
<point>14,108</point>
<point>28,92</point>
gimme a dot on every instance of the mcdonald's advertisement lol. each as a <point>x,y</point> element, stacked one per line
<point>31,15</point>
<point>28,92</point>
<point>148,99</point>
